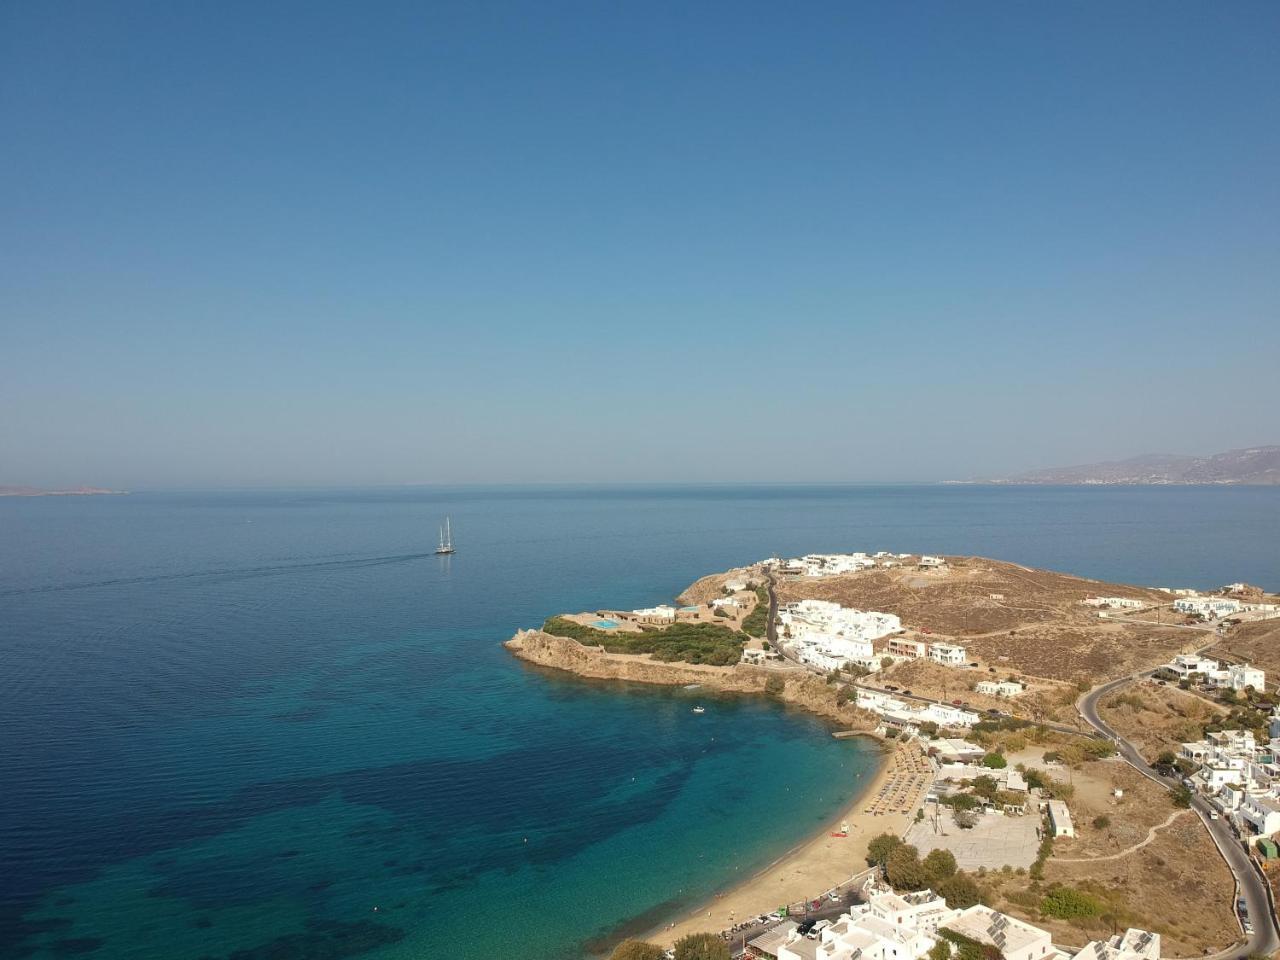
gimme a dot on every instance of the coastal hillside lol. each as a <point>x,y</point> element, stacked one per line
<point>1251,465</point>
<point>1006,615</point>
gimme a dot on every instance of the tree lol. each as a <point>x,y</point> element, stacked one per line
<point>985,786</point>
<point>636,950</point>
<point>995,761</point>
<point>905,870</point>
<point>886,663</point>
<point>880,847</point>
<point>1165,762</point>
<point>959,891</point>
<point>939,864</point>
<point>702,946</point>
<point>966,819</point>
<point>940,951</point>
<point>1101,823</point>
<point>1181,796</point>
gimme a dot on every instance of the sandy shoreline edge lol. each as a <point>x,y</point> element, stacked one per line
<point>808,869</point>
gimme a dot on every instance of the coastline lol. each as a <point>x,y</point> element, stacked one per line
<point>809,868</point>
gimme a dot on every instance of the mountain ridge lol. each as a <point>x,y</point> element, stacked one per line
<point>1252,466</point>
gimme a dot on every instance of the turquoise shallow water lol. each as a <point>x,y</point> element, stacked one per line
<point>276,725</point>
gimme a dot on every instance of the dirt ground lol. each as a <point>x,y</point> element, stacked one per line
<point>1177,885</point>
<point>1153,865</point>
<point>1157,718</point>
<point>1258,643</point>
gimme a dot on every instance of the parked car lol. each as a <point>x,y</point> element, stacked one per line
<point>906,693</point>
<point>955,703</point>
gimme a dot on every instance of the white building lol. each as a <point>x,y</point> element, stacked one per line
<point>931,563</point>
<point>826,564</point>
<point>1260,814</point>
<point>899,713</point>
<point>1000,688</point>
<point>1060,819</point>
<point>889,926</point>
<point>1184,665</point>
<point>1133,944</point>
<point>659,614</point>
<point>1015,939</point>
<point>1241,675</point>
<point>1207,606</point>
<point>948,654</point>
<point>1116,603</point>
<point>945,715</point>
<point>829,636</point>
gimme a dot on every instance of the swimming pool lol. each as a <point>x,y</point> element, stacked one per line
<point>606,624</point>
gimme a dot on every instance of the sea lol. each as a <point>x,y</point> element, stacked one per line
<point>274,724</point>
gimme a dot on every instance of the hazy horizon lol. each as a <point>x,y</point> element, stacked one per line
<point>731,243</point>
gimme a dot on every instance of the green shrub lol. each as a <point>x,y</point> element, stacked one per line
<point>958,890</point>
<point>881,846</point>
<point>995,761</point>
<point>686,642</point>
<point>701,946</point>
<point>756,623</point>
<point>636,950</point>
<point>904,869</point>
<point>940,865</point>
<point>1066,903</point>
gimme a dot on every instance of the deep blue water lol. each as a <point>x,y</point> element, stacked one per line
<point>233,724</point>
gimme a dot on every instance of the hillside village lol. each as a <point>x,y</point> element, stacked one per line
<point>972,669</point>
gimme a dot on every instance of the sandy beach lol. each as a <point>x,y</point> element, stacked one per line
<point>805,871</point>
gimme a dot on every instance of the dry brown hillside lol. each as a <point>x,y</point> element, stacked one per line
<point>1257,642</point>
<point>1008,616</point>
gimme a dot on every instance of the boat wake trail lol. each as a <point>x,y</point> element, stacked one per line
<point>230,573</point>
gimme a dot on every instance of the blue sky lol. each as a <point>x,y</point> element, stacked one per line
<point>405,242</point>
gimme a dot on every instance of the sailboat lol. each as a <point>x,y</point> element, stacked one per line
<point>446,539</point>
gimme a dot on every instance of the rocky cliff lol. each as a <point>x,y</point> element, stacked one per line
<point>798,687</point>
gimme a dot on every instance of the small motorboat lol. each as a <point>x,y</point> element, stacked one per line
<point>699,709</point>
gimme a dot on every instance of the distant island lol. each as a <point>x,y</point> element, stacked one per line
<point>1250,466</point>
<point>15,491</point>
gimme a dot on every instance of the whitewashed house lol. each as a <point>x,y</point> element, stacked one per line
<point>1015,939</point>
<point>1060,819</point>
<point>1000,688</point>
<point>1241,675</point>
<point>1115,603</point>
<point>1207,606</point>
<point>948,654</point>
<point>1259,816</point>
<point>1133,944</point>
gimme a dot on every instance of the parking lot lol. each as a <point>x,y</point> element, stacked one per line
<point>992,843</point>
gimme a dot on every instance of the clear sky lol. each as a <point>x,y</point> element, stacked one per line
<point>344,243</point>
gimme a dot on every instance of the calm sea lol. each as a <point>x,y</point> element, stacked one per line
<point>259,725</point>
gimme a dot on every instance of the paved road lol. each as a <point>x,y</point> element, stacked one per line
<point>1265,938</point>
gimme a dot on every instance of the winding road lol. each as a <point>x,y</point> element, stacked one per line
<point>1265,938</point>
